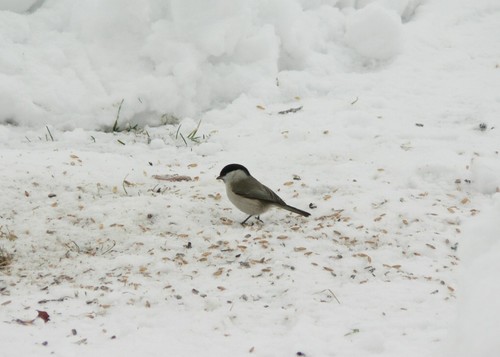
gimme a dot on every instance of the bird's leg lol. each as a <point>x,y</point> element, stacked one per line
<point>246,219</point>
<point>258,219</point>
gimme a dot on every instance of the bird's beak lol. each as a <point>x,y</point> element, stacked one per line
<point>219,177</point>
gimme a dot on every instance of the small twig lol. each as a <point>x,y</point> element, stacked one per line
<point>123,184</point>
<point>115,125</point>
<point>182,136</point>
<point>352,332</point>
<point>331,292</point>
<point>51,137</point>
<point>355,101</point>
<point>121,142</point>
<point>335,296</point>
<point>76,245</point>
<point>110,248</point>
<point>177,132</point>
<point>192,135</point>
<point>291,110</point>
<point>54,300</point>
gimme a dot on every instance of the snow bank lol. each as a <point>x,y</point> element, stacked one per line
<point>70,64</point>
<point>475,332</point>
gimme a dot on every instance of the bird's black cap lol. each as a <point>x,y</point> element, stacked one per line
<point>232,167</point>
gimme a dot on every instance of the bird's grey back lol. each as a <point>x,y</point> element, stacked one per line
<point>252,188</point>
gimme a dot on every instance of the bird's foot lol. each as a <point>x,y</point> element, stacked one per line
<point>256,217</point>
<point>246,219</point>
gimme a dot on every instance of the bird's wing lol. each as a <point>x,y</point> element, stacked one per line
<point>251,188</point>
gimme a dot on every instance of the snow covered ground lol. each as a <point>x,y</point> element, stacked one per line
<point>379,117</point>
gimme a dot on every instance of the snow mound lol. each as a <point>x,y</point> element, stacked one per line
<point>375,32</point>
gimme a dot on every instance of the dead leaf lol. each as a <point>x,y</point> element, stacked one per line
<point>288,183</point>
<point>261,107</point>
<point>219,272</point>
<point>26,193</point>
<point>43,315</point>
<point>430,246</point>
<point>192,165</point>
<point>363,255</point>
<point>465,200</point>
<point>226,221</point>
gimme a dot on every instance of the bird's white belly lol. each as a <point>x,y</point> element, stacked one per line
<point>247,205</point>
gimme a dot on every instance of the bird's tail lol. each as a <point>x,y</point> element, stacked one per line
<point>296,210</point>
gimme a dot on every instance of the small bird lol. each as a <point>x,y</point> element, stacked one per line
<point>249,195</point>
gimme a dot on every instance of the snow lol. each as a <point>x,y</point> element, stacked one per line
<point>476,326</point>
<point>375,32</point>
<point>379,117</point>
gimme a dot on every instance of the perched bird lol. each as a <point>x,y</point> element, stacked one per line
<point>249,195</point>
